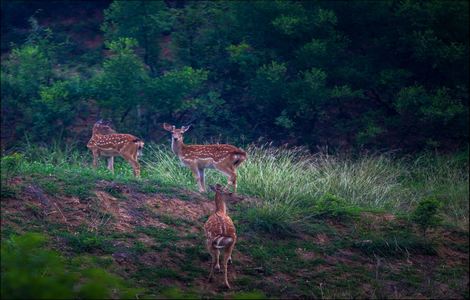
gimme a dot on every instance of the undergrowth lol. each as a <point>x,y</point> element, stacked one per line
<point>31,271</point>
<point>291,183</point>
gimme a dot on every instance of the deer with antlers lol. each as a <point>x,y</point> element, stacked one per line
<point>225,158</point>
<point>220,231</point>
<point>106,142</point>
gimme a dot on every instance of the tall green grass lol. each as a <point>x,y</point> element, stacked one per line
<point>289,182</point>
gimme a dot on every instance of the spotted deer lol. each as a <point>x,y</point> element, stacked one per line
<point>222,157</point>
<point>220,231</point>
<point>106,142</point>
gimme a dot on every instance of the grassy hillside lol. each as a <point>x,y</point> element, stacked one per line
<point>309,226</point>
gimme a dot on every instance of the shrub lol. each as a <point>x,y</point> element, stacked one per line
<point>10,164</point>
<point>330,205</point>
<point>426,214</point>
<point>28,271</point>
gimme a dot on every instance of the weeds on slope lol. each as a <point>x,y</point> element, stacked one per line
<point>291,183</point>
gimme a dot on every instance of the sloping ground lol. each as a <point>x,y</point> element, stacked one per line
<point>155,240</point>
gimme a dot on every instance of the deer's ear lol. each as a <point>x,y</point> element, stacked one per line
<point>213,188</point>
<point>168,127</point>
<point>185,128</point>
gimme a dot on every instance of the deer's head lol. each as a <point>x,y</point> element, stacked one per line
<point>176,134</point>
<point>103,127</point>
<point>224,193</point>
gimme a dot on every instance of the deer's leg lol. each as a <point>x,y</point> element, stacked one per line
<point>202,178</point>
<point>233,180</point>
<point>111,164</point>
<point>213,260</point>
<point>95,158</point>
<point>227,255</point>
<point>217,255</point>
<point>231,176</point>
<point>135,165</point>
<point>197,175</point>
<point>231,249</point>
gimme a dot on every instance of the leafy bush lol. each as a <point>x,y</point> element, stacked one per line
<point>332,206</point>
<point>10,165</point>
<point>426,214</point>
<point>29,271</point>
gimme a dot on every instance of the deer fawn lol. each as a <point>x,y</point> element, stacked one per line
<point>106,142</point>
<point>220,231</point>
<point>223,157</point>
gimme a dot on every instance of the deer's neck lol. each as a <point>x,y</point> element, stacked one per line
<point>220,205</point>
<point>177,147</point>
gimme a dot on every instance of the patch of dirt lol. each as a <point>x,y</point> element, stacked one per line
<point>116,214</point>
<point>120,215</point>
<point>151,259</point>
<point>305,255</point>
<point>322,239</point>
<point>34,202</point>
<point>143,210</point>
<point>345,256</point>
<point>341,228</point>
<point>378,219</point>
<point>15,181</point>
<point>454,257</point>
<point>181,209</point>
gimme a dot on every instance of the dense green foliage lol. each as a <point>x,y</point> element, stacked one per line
<point>426,214</point>
<point>29,271</point>
<point>374,74</point>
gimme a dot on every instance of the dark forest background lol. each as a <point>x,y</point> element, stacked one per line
<point>338,74</point>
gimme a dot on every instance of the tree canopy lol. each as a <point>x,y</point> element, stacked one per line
<point>342,74</point>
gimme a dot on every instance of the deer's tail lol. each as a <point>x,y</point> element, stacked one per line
<point>222,242</point>
<point>140,146</point>
<point>238,156</point>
